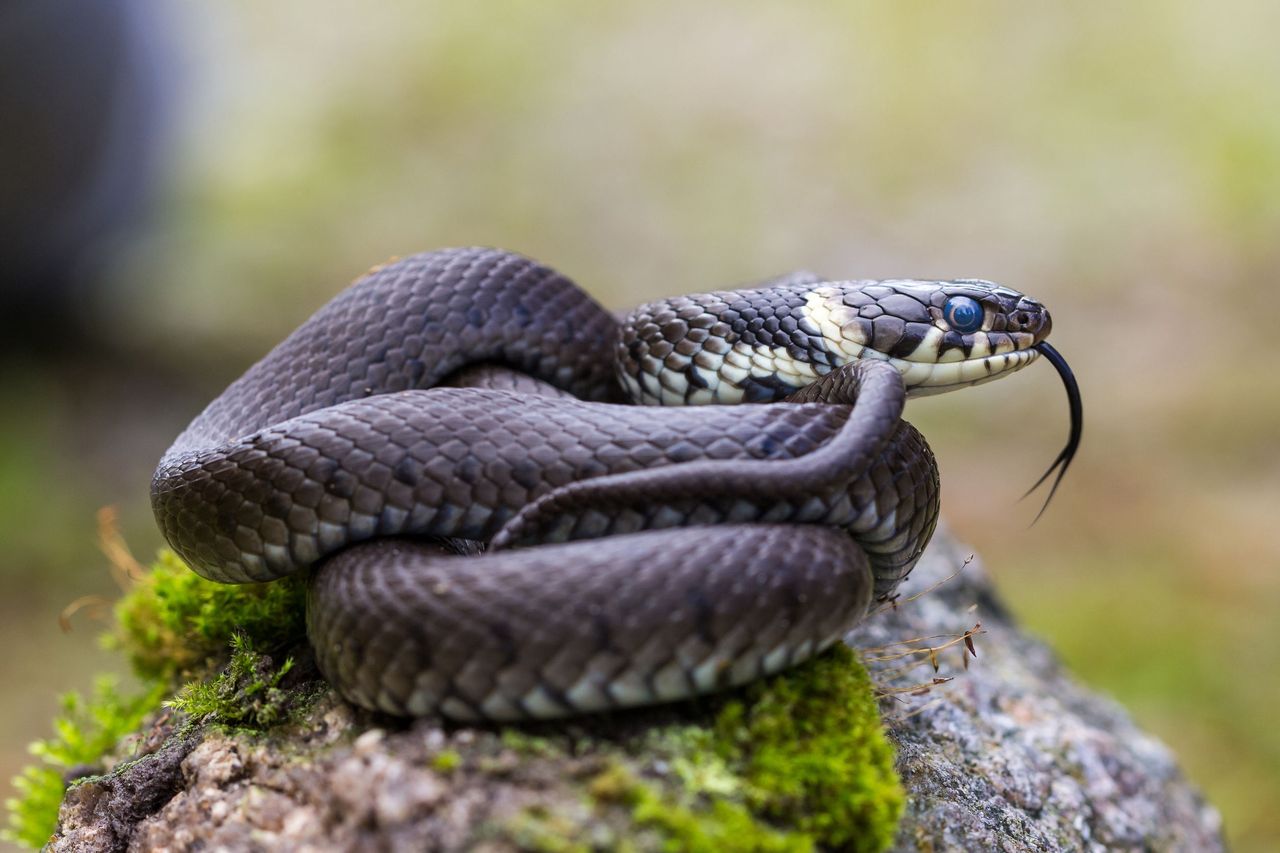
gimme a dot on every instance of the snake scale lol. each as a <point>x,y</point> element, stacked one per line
<point>494,530</point>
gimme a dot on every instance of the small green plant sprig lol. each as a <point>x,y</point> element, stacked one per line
<point>246,693</point>
<point>85,731</point>
<point>173,626</point>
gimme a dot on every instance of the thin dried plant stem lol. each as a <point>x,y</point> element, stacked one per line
<point>917,710</point>
<point>97,605</point>
<point>893,603</point>
<point>915,652</point>
<point>125,569</point>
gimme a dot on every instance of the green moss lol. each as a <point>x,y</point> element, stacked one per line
<point>174,621</point>
<point>523,743</point>
<point>794,763</point>
<point>171,625</point>
<point>85,732</point>
<point>812,753</point>
<point>543,831</point>
<point>245,694</point>
<point>726,826</point>
<point>798,762</point>
<point>446,761</point>
<point>719,824</point>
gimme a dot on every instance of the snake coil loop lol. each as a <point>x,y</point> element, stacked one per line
<point>471,397</point>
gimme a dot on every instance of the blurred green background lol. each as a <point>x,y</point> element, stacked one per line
<point>1119,161</point>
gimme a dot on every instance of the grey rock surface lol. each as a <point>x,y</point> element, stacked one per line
<point>1014,754</point>
<point>1010,754</point>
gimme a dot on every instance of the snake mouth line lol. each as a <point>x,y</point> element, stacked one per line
<point>1063,461</point>
<point>924,379</point>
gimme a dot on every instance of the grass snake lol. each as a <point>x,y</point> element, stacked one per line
<point>494,530</point>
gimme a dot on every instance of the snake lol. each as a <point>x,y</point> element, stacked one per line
<point>511,504</point>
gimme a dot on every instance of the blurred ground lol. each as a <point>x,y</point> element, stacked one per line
<point>1120,162</point>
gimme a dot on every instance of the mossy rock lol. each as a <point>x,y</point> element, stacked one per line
<point>798,762</point>
<point>794,764</point>
<point>1002,751</point>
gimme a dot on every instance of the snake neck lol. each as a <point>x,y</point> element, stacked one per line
<point>763,344</point>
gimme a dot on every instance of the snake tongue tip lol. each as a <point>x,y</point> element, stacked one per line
<point>1061,467</point>
<point>1063,460</point>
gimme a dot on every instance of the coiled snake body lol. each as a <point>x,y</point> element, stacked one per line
<point>473,396</point>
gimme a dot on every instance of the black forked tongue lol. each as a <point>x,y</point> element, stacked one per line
<point>1077,425</point>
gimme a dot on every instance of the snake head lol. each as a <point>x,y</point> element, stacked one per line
<point>943,335</point>
<point>940,335</point>
<point>764,344</point>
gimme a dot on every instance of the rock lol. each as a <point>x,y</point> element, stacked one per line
<point>1010,754</point>
<point>103,813</point>
<point>1013,754</point>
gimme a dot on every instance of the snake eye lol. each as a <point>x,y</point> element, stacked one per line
<point>963,314</point>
